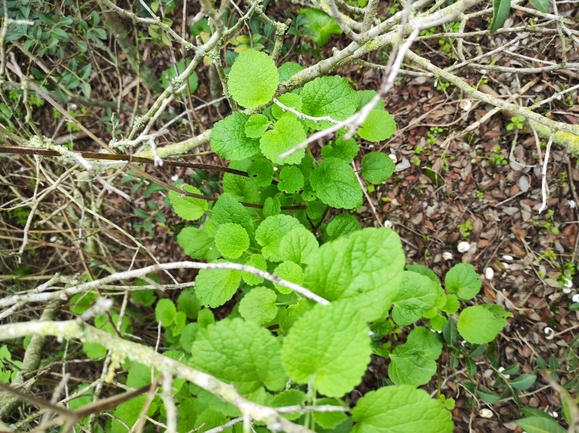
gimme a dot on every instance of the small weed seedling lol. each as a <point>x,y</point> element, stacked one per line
<point>465,228</point>
<point>431,136</point>
<point>516,122</point>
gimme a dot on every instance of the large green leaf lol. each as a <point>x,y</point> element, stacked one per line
<point>366,268</point>
<point>330,345</point>
<point>253,79</point>
<point>377,167</point>
<point>258,305</point>
<point>463,281</point>
<point>284,238</point>
<point>416,296</point>
<point>501,9</point>
<point>541,5</point>
<point>188,208</point>
<point>329,96</point>
<point>320,25</point>
<point>400,409</point>
<point>228,138</point>
<point>214,287</point>
<point>287,133</point>
<point>228,210</point>
<point>335,184</point>
<point>541,424</point>
<point>239,352</point>
<point>378,126</point>
<point>231,240</point>
<point>479,324</point>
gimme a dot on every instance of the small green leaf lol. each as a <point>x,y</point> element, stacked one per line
<point>179,323</point>
<point>291,179</point>
<point>208,420</point>
<point>188,303</point>
<point>216,286</point>
<point>253,79</point>
<point>342,225</point>
<point>271,207</point>
<point>228,138</point>
<point>197,244</point>
<point>231,240</point>
<point>144,297</point>
<point>256,125</point>
<point>165,312</point>
<point>451,306</point>
<point>377,167</point>
<point>288,70</point>
<point>329,420</point>
<point>289,100</point>
<point>365,96</point>
<point>228,210</point>
<point>540,425</point>
<point>276,235</point>
<point>311,349</point>
<point>489,397</point>
<point>128,412</point>
<point>343,149</point>
<point>240,352</point>
<point>188,208</point>
<point>59,33</point>
<point>479,325</point>
<point>257,261</point>
<point>240,187</point>
<point>320,26</point>
<point>291,272</point>
<point>329,96</point>
<point>416,296</point>
<point>378,126</point>
<point>205,318</point>
<point>501,9</point>
<point>290,397</point>
<point>259,305</point>
<point>541,5</point>
<point>400,409</point>
<point>261,172</point>
<point>414,362</point>
<point>336,185</point>
<point>463,280</point>
<point>437,323</point>
<point>287,133</point>
<point>316,210</point>
<point>523,382</point>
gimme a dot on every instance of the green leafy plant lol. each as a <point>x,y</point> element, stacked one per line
<point>516,122</point>
<point>497,157</point>
<point>294,297</point>
<point>431,135</point>
<point>465,228</point>
<point>442,85</point>
<point>320,26</point>
<point>549,223</point>
<point>355,278</point>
